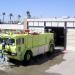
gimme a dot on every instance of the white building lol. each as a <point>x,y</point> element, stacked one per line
<point>64,29</point>
<point>11,26</point>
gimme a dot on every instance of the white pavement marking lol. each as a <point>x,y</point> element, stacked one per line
<point>67,67</point>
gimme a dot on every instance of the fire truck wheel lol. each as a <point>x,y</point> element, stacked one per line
<point>51,48</point>
<point>28,56</point>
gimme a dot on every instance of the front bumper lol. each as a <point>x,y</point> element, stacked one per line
<point>8,53</point>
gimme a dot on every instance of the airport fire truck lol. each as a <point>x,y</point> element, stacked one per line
<point>21,46</point>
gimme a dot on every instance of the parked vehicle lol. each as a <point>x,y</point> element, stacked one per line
<point>24,46</point>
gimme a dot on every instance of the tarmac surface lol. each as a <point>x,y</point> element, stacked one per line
<point>58,63</point>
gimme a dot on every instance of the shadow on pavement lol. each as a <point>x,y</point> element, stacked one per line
<point>54,58</point>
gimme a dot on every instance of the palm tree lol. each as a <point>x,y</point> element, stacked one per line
<point>10,15</point>
<point>19,16</point>
<point>28,14</point>
<point>3,16</point>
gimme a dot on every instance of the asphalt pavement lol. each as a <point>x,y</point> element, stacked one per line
<point>58,63</point>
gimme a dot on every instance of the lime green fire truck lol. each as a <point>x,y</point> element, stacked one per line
<point>24,46</point>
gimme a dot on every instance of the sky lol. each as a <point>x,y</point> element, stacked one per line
<point>37,8</point>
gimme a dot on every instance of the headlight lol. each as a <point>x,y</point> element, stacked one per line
<point>13,54</point>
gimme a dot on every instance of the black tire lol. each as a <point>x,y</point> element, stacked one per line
<point>27,56</point>
<point>51,48</point>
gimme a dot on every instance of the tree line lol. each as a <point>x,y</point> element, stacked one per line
<point>11,15</point>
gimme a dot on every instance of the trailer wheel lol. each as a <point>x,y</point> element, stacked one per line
<point>27,56</point>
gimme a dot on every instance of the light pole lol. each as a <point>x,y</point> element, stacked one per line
<point>3,16</point>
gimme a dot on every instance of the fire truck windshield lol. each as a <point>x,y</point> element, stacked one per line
<point>8,41</point>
